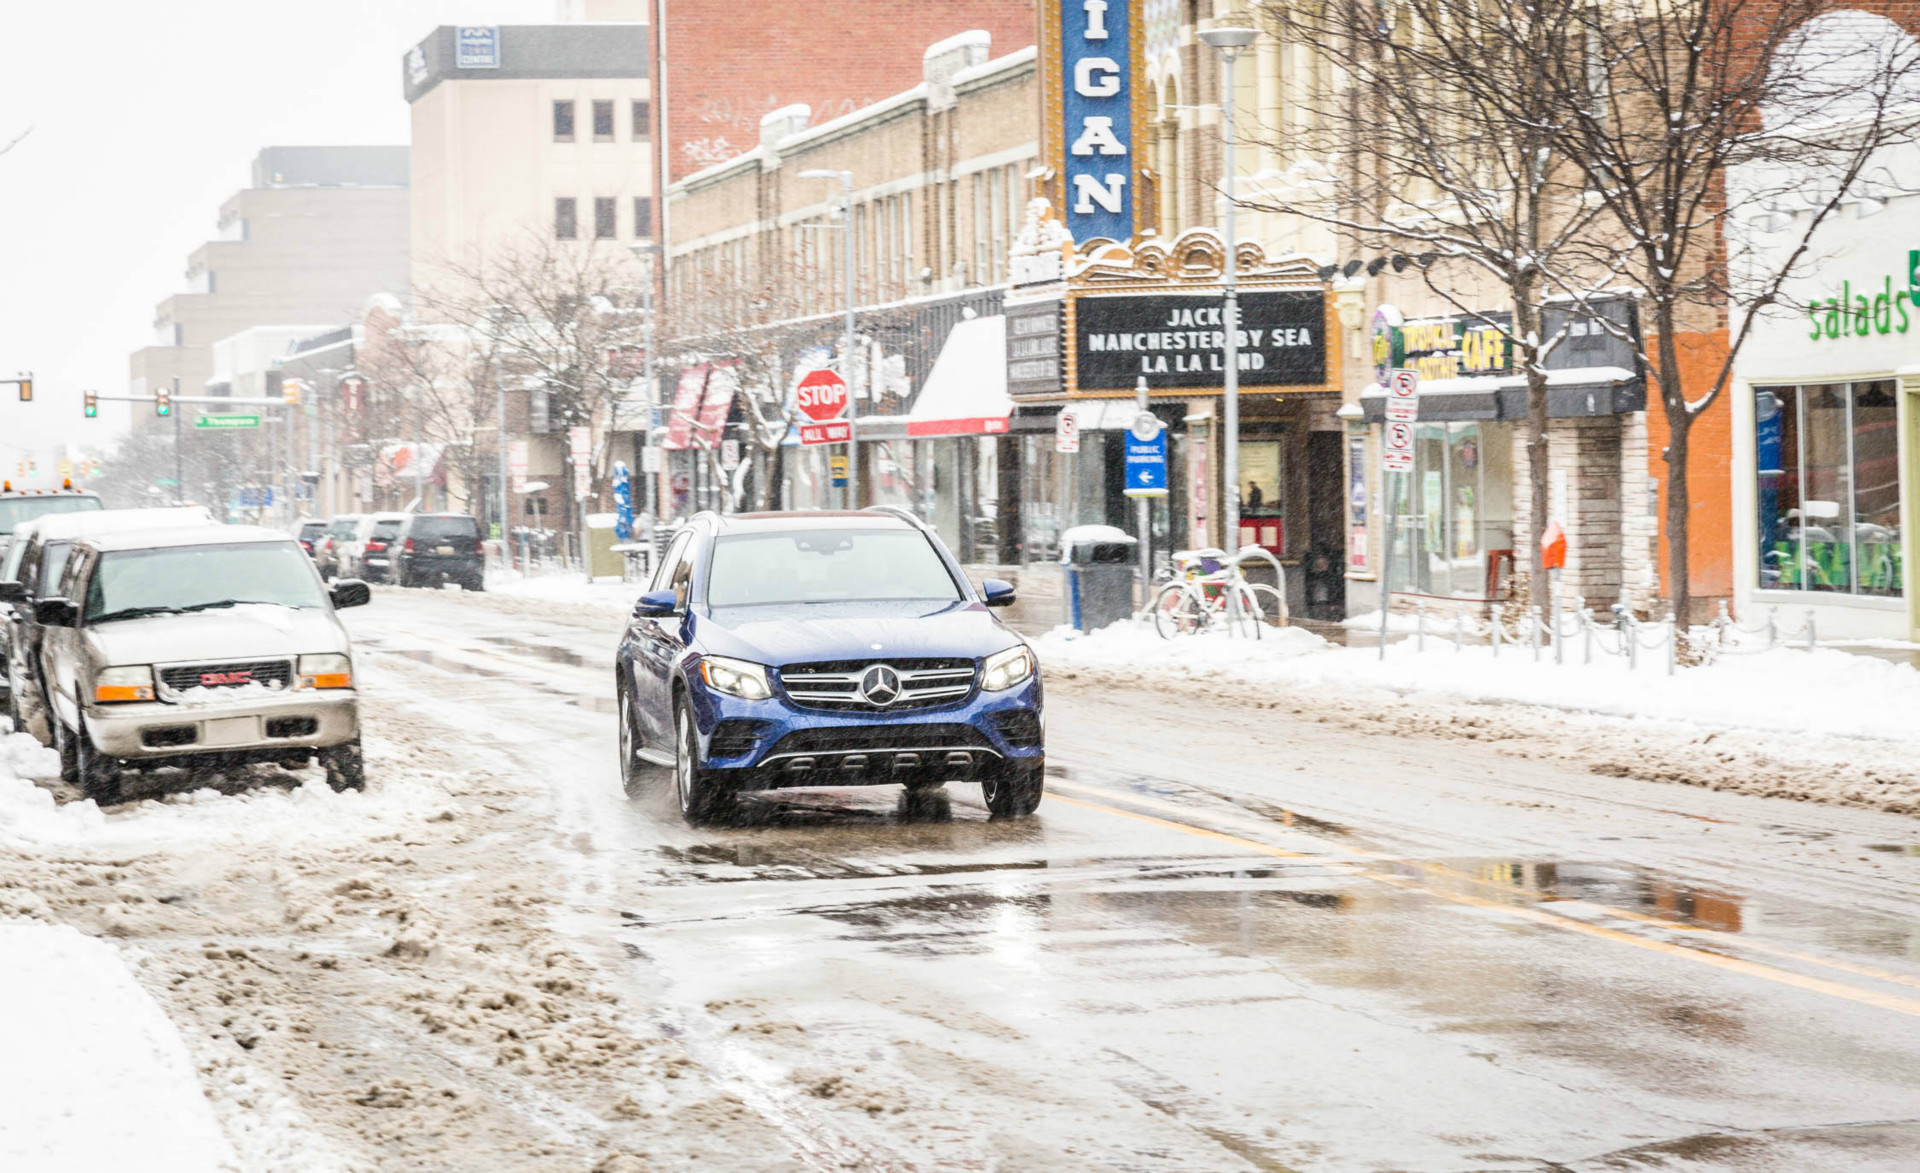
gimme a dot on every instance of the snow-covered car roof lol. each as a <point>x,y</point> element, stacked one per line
<point>187,535</point>
<point>66,526</point>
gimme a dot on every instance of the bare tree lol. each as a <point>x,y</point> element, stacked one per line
<point>445,375</point>
<point>1439,138</point>
<point>1694,123</point>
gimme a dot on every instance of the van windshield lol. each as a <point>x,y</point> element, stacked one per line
<point>131,583</point>
<point>17,511</point>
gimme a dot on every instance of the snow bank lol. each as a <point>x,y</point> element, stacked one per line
<point>1824,692</point>
<point>569,588</point>
<point>94,1077</point>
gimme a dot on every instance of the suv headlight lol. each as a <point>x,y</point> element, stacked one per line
<point>326,670</point>
<point>128,682</point>
<point>1006,669</point>
<point>736,678</point>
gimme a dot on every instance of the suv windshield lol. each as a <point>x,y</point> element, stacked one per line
<point>441,528</point>
<point>131,583</point>
<point>827,566</point>
<point>15,511</point>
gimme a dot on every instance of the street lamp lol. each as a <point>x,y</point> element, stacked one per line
<point>1229,43</point>
<point>846,276</point>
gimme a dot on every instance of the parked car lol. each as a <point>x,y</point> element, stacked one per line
<point>308,531</point>
<point>437,548</point>
<point>825,649</point>
<point>19,506</point>
<point>31,570</point>
<point>368,554</point>
<point>326,550</point>
<point>207,647</point>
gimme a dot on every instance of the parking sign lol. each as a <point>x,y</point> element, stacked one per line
<point>1403,396</point>
<point>1398,453</point>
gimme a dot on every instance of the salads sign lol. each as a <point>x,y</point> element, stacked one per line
<point>1865,311</point>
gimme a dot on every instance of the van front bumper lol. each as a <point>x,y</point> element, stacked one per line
<point>150,732</point>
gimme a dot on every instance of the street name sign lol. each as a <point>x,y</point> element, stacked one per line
<point>227,421</point>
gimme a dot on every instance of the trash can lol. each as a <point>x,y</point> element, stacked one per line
<point>1098,564</point>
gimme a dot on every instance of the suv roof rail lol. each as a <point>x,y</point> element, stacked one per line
<point>899,511</point>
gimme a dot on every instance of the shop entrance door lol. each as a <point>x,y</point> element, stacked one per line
<point>1323,565</point>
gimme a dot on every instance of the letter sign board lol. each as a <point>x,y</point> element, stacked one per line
<point>1093,72</point>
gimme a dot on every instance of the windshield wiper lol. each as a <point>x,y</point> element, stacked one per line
<point>213,606</point>
<point>133,613</point>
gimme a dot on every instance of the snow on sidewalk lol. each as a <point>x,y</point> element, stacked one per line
<point>1825,693</point>
<point>94,1077</point>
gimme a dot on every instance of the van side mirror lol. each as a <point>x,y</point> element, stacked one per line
<point>350,592</point>
<point>997,592</point>
<point>13,592</point>
<point>56,612</point>
<point>654,604</point>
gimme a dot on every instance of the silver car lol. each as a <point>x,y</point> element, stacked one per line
<point>205,647</point>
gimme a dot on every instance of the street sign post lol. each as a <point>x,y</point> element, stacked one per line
<point>1396,456</point>
<point>227,422</point>
<point>822,397</point>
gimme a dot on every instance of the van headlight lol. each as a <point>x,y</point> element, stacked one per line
<point>326,670</point>
<point>736,678</point>
<point>128,682</point>
<point>1008,668</point>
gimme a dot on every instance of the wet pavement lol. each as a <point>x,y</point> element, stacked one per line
<point>1228,943</point>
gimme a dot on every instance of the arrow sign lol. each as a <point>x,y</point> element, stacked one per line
<point>1146,471</point>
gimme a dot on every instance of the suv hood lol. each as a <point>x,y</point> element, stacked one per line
<point>849,631</point>
<point>251,631</point>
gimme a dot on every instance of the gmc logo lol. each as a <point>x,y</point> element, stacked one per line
<point>216,679</point>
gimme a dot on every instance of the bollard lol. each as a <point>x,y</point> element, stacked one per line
<point>1773,627</point>
<point>1559,636</point>
<point>1420,626</point>
<point>1631,638</point>
<point>1811,641</point>
<point>1586,635</point>
<point>1533,631</point>
<point>1496,630</point>
<point>1673,642</point>
<point>1459,628</point>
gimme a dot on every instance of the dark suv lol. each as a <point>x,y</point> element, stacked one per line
<point>825,649</point>
<point>436,548</point>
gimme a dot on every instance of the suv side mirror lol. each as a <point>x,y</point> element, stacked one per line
<point>13,592</point>
<point>996,592</point>
<point>56,612</point>
<point>350,592</point>
<point>654,604</point>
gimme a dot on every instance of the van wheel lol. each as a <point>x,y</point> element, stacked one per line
<point>701,798</point>
<point>1013,789</point>
<point>346,768</point>
<point>97,777</point>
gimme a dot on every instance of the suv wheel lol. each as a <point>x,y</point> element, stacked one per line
<point>701,798</point>
<point>346,768</point>
<point>630,769</point>
<point>477,581</point>
<point>1013,788</point>
<point>97,777</point>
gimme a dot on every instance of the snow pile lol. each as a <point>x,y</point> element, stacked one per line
<point>572,588</point>
<point>1824,692</point>
<point>95,1076</point>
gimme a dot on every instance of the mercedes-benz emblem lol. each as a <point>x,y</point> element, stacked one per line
<point>880,685</point>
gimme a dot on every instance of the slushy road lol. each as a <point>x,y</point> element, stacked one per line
<point>1231,938</point>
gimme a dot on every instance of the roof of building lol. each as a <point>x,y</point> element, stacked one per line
<point>521,51</point>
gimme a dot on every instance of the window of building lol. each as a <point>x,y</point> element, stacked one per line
<point>906,239</point>
<point>1828,468</point>
<point>566,218</point>
<point>643,217</point>
<point>563,121</point>
<point>997,220</point>
<point>642,120</point>
<point>605,222</point>
<point>603,120</point>
<point>982,235</point>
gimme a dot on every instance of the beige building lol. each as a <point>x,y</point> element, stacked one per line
<point>524,134</point>
<point>319,231</point>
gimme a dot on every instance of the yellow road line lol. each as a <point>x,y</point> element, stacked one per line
<point>1566,924</point>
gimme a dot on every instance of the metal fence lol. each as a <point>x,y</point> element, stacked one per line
<point>1620,635</point>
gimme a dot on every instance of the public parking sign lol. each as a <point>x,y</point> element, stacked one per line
<point>1146,457</point>
<point>822,397</point>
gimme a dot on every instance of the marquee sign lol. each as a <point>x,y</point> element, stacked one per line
<point>1175,340</point>
<point>1090,62</point>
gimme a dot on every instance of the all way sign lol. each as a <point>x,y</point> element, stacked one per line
<point>822,398</point>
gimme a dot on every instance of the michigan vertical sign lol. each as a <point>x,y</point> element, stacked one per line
<point>1096,85</point>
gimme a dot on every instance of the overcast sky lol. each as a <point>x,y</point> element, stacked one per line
<point>145,116</point>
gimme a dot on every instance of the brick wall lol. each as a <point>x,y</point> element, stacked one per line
<point>730,63</point>
<point>1602,462</point>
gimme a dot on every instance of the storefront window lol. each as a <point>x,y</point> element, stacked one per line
<point>1460,508</point>
<point>1828,480</point>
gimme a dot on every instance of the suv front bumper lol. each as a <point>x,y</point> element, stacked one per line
<point>302,720</point>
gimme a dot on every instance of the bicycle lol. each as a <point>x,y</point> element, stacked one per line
<point>1196,600</point>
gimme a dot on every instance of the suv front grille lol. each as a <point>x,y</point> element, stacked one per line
<point>272,673</point>
<point>836,684</point>
<point>852,738</point>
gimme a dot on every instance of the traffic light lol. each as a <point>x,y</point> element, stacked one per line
<point>93,403</point>
<point>26,389</point>
<point>163,402</point>
<point>290,392</point>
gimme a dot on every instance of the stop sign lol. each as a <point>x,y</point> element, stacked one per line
<point>822,396</point>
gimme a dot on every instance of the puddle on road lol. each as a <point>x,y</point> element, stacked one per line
<point>593,701</point>
<point>552,652</point>
<point>1896,848</point>
<point>1634,889</point>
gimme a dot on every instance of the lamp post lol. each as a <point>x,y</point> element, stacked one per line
<point>646,252</point>
<point>846,277</point>
<point>1229,43</point>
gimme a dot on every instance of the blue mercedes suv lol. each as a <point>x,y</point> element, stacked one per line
<point>825,649</point>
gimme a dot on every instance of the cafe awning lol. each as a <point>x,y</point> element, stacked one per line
<point>965,393</point>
